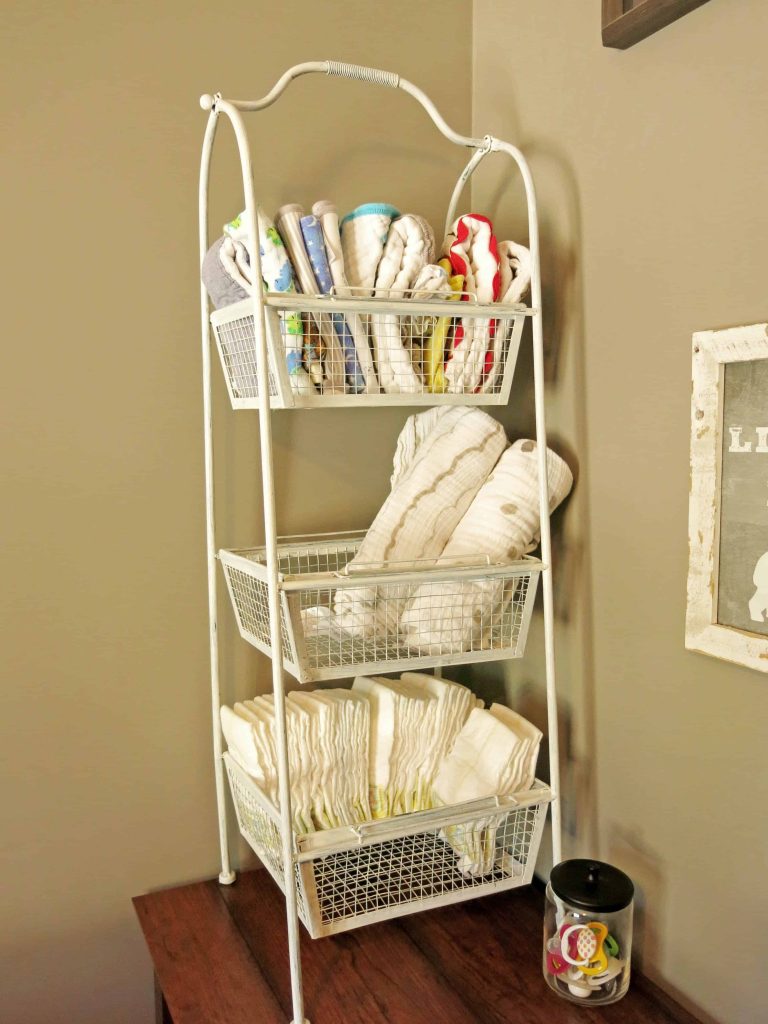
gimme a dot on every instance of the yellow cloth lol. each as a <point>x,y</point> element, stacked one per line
<point>434,347</point>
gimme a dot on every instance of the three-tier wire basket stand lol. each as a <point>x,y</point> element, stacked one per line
<point>354,875</point>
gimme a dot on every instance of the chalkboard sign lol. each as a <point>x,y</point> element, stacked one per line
<point>727,614</point>
<point>742,585</point>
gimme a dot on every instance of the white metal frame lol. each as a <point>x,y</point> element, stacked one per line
<point>712,350</point>
<point>233,110</point>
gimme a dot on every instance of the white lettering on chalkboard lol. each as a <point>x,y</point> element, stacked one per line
<point>737,445</point>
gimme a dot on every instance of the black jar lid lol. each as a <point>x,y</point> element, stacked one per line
<point>592,885</point>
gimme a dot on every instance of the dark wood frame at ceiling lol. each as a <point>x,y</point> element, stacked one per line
<point>626,22</point>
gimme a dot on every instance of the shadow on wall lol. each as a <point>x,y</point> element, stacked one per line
<point>523,686</point>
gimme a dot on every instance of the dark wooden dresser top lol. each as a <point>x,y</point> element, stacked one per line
<point>220,955</point>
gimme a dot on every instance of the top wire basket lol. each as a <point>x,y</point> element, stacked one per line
<point>328,351</point>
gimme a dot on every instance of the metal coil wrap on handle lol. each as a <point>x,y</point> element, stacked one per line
<point>341,70</point>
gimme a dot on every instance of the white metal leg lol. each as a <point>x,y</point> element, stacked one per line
<point>491,144</point>
<point>270,539</point>
<point>546,543</point>
<point>226,875</point>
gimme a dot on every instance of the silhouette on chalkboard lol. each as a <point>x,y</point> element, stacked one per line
<point>758,605</point>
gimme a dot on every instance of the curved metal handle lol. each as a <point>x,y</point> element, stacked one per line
<point>339,69</point>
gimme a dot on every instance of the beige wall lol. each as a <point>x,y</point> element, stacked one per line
<point>650,166</point>
<point>106,710</point>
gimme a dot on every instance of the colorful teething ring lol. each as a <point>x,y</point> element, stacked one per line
<point>598,960</point>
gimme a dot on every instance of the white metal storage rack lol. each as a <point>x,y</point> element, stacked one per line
<point>349,876</point>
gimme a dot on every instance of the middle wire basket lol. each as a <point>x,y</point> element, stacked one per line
<point>354,875</point>
<point>338,620</point>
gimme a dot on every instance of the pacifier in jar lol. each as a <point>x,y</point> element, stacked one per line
<point>588,931</point>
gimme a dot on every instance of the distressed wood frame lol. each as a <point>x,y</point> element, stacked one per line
<point>711,351</point>
<point>626,23</point>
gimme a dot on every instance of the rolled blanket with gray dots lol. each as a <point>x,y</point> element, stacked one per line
<point>502,522</point>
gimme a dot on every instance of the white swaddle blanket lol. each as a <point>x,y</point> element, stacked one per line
<point>421,512</point>
<point>326,213</point>
<point>503,523</point>
<point>410,246</point>
<point>416,428</point>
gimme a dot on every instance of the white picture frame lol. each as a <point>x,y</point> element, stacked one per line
<point>712,351</point>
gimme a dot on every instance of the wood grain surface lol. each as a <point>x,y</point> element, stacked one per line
<point>220,955</point>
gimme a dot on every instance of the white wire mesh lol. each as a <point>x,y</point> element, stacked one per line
<point>377,351</point>
<point>236,343</point>
<point>390,871</point>
<point>334,625</point>
<point>260,829</point>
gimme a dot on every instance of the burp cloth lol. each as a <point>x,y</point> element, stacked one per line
<point>314,242</point>
<point>288,221</point>
<point>329,220</point>
<point>471,248</point>
<point>515,271</point>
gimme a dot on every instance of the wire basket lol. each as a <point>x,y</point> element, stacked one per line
<point>329,351</point>
<point>354,875</point>
<point>338,621</point>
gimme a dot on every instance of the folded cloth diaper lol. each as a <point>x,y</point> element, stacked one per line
<point>363,234</point>
<point>515,270</point>
<point>409,248</point>
<point>421,513</point>
<point>452,705</point>
<point>277,276</point>
<point>238,735</point>
<point>288,221</point>
<point>481,761</point>
<point>329,221</point>
<point>471,248</point>
<point>399,732</point>
<point>337,743</point>
<point>327,736</point>
<point>492,756</point>
<point>314,243</point>
<point>525,766</point>
<point>502,522</point>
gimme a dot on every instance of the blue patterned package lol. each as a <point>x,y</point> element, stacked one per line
<point>312,233</point>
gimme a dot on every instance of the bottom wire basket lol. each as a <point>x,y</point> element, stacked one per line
<point>352,876</point>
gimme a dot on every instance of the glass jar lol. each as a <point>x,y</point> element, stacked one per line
<point>588,931</point>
